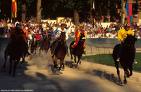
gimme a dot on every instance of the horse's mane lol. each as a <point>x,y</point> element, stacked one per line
<point>129,41</point>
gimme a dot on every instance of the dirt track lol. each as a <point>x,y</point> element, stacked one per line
<point>36,75</point>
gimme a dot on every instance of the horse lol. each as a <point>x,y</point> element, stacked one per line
<point>15,50</point>
<point>45,43</point>
<point>78,50</point>
<point>59,50</point>
<point>33,46</point>
<point>125,52</point>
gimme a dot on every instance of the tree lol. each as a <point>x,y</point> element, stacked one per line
<point>39,9</point>
<point>23,10</point>
<point>74,5</point>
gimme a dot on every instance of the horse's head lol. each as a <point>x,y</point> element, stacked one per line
<point>63,36</point>
<point>49,37</point>
<point>130,41</point>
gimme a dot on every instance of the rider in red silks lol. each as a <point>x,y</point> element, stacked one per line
<point>38,38</point>
<point>79,31</point>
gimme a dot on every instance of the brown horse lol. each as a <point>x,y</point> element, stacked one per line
<point>59,50</point>
<point>126,54</point>
<point>15,50</point>
<point>45,43</point>
<point>78,50</point>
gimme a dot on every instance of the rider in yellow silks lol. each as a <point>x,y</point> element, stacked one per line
<point>122,33</point>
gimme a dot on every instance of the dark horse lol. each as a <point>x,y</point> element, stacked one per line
<point>59,50</point>
<point>78,50</point>
<point>15,50</point>
<point>33,46</point>
<point>45,43</point>
<point>125,52</point>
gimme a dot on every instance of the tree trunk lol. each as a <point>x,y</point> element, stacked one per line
<point>76,17</point>
<point>24,11</point>
<point>139,12</point>
<point>123,12</point>
<point>39,11</point>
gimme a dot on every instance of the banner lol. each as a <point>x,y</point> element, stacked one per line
<point>129,10</point>
<point>14,8</point>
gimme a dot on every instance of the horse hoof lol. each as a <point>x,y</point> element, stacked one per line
<point>63,68</point>
<point>120,83</point>
<point>59,68</point>
<point>125,81</point>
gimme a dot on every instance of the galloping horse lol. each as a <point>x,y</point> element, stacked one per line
<point>45,43</point>
<point>15,50</point>
<point>78,50</point>
<point>33,46</point>
<point>126,54</point>
<point>59,50</point>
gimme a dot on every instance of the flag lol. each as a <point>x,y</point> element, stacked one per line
<point>130,8</point>
<point>129,14</point>
<point>127,10</point>
<point>14,8</point>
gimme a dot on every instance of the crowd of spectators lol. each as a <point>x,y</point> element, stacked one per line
<point>110,31</point>
<point>93,31</point>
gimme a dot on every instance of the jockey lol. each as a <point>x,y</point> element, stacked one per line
<point>58,38</point>
<point>122,33</point>
<point>38,38</point>
<point>79,31</point>
<point>18,34</point>
<point>62,29</point>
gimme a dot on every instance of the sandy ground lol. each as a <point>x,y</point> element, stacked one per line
<point>36,75</point>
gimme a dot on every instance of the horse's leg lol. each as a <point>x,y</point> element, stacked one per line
<point>55,62</point>
<point>130,69</point>
<point>62,65</point>
<point>79,60</point>
<point>5,57</point>
<point>23,58</point>
<point>39,51</point>
<point>46,51</point>
<point>118,72</point>
<point>125,75</point>
<point>71,54</point>
<point>14,67</point>
<point>75,59</point>
<point>10,66</point>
